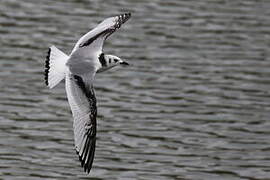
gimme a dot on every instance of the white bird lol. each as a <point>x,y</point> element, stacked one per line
<point>79,69</point>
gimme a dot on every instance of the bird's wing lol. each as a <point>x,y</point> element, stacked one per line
<point>89,47</point>
<point>82,100</point>
<point>101,32</point>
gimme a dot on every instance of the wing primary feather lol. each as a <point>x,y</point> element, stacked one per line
<point>90,159</point>
<point>85,149</point>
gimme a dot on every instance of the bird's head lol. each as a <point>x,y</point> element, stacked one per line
<point>110,61</point>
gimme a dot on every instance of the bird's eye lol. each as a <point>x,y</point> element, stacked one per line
<point>115,60</point>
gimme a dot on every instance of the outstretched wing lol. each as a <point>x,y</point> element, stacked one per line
<point>82,100</point>
<point>101,32</point>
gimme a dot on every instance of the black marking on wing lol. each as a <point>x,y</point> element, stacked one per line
<point>88,153</point>
<point>92,39</point>
<point>47,67</point>
<point>122,18</point>
<point>102,60</point>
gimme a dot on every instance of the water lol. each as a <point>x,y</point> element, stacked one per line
<point>194,105</point>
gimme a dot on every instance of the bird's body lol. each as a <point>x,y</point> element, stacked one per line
<point>79,69</point>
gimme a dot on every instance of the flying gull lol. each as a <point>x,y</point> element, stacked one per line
<point>79,69</point>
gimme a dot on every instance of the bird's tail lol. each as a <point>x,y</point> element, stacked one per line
<point>55,66</point>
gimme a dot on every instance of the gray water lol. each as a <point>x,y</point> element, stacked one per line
<point>194,105</point>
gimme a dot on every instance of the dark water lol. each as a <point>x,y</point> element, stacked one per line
<point>194,105</point>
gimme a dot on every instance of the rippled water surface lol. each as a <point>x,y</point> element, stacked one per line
<point>194,105</point>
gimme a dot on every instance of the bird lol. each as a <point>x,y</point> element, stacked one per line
<point>78,70</point>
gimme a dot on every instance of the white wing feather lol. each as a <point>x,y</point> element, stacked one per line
<point>105,24</point>
<point>101,32</point>
<point>83,107</point>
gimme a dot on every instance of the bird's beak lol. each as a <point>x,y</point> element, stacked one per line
<point>124,63</point>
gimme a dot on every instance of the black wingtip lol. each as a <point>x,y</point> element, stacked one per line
<point>86,166</point>
<point>47,67</point>
<point>87,156</point>
<point>128,14</point>
<point>122,18</point>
